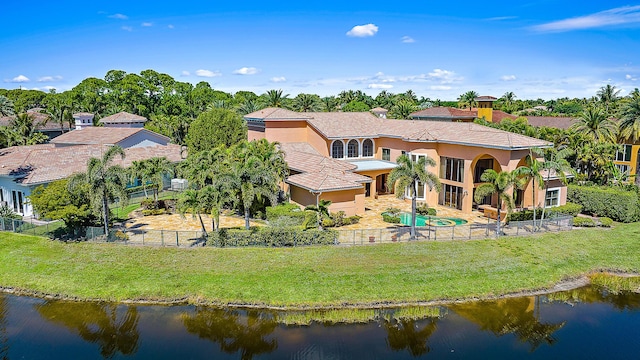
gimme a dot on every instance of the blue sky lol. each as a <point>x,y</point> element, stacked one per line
<point>537,49</point>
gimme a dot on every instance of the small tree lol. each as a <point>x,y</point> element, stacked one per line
<point>321,210</point>
<point>58,201</point>
<point>498,183</point>
<point>531,171</point>
<point>215,127</point>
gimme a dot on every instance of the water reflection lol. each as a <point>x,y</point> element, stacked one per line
<point>407,334</point>
<point>234,331</point>
<point>112,327</point>
<point>4,338</point>
<point>518,316</point>
<point>623,300</point>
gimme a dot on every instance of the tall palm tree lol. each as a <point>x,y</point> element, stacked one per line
<point>275,98</point>
<point>156,168</point>
<point>410,174</point>
<point>6,106</point>
<point>106,182</point>
<point>594,124</point>
<point>23,130</point>
<point>630,120</point>
<point>190,201</point>
<point>501,184</point>
<point>556,162</point>
<point>307,103</point>
<point>508,98</point>
<point>468,99</point>
<point>248,106</point>
<point>329,103</point>
<point>608,95</point>
<point>531,172</point>
<point>403,109</point>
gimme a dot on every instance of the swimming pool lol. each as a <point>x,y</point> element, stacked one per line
<point>422,220</point>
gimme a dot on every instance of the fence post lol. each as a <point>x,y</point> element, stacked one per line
<point>162,237</point>
<point>470,231</point>
<point>453,232</point>
<point>486,233</point>
<point>177,240</point>
<point>143,238</point>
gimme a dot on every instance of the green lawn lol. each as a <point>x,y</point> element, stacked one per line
<point>315,276</point>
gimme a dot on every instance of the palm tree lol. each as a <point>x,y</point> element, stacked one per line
<point>329,104</point>
<point>608,95</point>
<point>593,123</point>
<point>307,103</point>
<point>321,209</point>
<point>531,171</point>
<point>410,174</point>
<point>556,162</point>
<point>403,109</point>
<point>468,99</point>
<point>630,120</point>
<point>105,182</point>
<point>275,98</point>
<point>499,183</point>
<point>248,106</point>
<point>190,201</point>
<point>155,169</point>
<point>508,98</point>
<point>6,106</point>
<point>23,130</point>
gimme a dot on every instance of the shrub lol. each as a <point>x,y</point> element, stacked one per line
<point>328,222</point>
<point>606,222</point>
<point>526,215</point>
<point>391,218</point>
<point>568,209</point>
<point>292,212</point>
<point>352,220</point>
<point>271,237</point>
<point>338,218</point>
<point>148,204</point>
<point>583,222</point>
<point>151,212</point>
<point>617,204</point>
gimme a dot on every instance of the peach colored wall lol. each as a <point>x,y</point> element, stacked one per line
<point>286,131</point>
<point>255,135</point>
<point>318,141</point>
<point>349,201</point>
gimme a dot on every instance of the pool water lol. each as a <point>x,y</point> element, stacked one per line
<point>422,220</point>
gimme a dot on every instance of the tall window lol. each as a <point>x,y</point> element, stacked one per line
<point>481,166</point>
<point>624,154</point>
<point>386,154</point>
<point>337,149</point>
<point>352,148</point>
<point>451,196</point>
<point>452,169</point>
<point>18,201</point>
<point>552,198</point>
<point>367,148</point>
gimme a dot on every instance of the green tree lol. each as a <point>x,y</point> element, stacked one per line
<point>410,175</point>
<point>329,104</point>
<point>556,162</point>
<point>6,106</point>
<point>403,110</point>
<point>531,172</point>
<point>468,99</point>
<point>215,127</point>
<point>321,209</point>
<point>501,184</point>
<point>608,95</point>
<point>59,108</point>
<point>630,120</point>
<point>356,106</point>
<point>190,201</point>
<point>23,130</point>
<point>275,98</point>
<point>105,182</point>
<point>57,201</point>
<point>307,103</point>
<point>593,124</point>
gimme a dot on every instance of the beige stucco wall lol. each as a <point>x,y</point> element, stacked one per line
<point>255,135</point>
<point>349,201</point>
<point>286,131</point>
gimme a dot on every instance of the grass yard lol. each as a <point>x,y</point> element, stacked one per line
<point>315,276</point>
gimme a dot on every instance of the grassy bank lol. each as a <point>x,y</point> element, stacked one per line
<point>315,276</point>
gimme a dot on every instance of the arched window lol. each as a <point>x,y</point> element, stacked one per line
<point>337,149</point>
<point>367,148</point>
<point>352,148</point>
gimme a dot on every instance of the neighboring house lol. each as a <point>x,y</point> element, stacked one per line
<point>484,110</point>
<point>380,112</point>
<point>22,168</point>
<point>346,157</point>
<point>43,123</point>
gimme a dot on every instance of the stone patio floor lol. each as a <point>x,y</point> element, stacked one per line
<point>371,219</point>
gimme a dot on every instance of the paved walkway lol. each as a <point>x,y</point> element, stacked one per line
<point>186,223</point>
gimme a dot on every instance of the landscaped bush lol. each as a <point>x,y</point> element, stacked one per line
<point>292,212</point>
<point>615,203</point>
<point>568,209</point>
<point>424,209</point>
<point>151,212</point>
<point>606,222</point>
<point>271,237</point>
<point>148,204</point>
<point>583,222</point>
<point>526,215</point>
<point>349,220</point>
<point>390,218</point>
<point>328,222</point>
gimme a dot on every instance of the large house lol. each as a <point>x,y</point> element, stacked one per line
<point>346,157</point>
<point>22,168</point>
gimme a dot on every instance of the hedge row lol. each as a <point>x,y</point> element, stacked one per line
<point>271,237</point>
<point>527,215</point>
<point>291,213</point>
<point>617,204</point>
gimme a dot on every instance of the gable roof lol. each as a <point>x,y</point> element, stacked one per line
<point>122,117</point>
<point>38,164</point>
<point>560,122</point>
<point>275,114</point>
<point>100,135</point>
<point>441,112</point>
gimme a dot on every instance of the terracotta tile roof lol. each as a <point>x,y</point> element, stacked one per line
<point>379,110</point>
<point>122,117</point>
<point>345,124</point>
<point>97,135</point>
<point>317,172</point>
<point>499,115</point>
<point>441,112</point>
<point>37,164</point>
<point>276,114</point>
<point>83,114</point>
<point>43,122</point>
<point>486,98</point>
<point>551,121</point>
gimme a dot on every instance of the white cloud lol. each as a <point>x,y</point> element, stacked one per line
<point>49,87</point>
<point>278,79</point>
<point>50,78</point>
<point>380,86</point>
<point>119,16</point>
<point>630,77</point>
<point>501,18</point>
<point>147,24</point>
<point>18,79</point>
<point>611,17</point>
<point>185,73</point>
<point>363,30</point>
<point>444,76</point>
<point>127,28</point>
<point>170,26</point>
<point>407,40</point>
<point>207,73</point>
<point>440,87</point>
<point>507,77</point>
<point>246,71</point>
